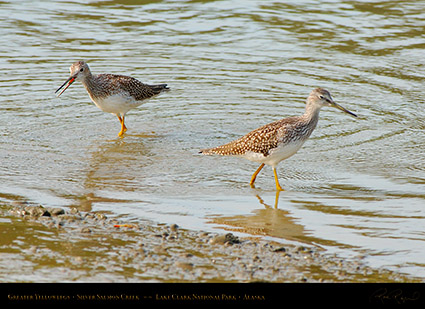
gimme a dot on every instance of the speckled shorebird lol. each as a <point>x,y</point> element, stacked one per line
<point>115,94</point>
<point>278,140</point>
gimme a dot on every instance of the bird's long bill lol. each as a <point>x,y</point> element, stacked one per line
<point>343,109</point>
<point>69,81</point>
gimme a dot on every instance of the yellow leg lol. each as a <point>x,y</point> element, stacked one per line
<point>278,187</point>
<point>123,127</point>
<point>254,176</point>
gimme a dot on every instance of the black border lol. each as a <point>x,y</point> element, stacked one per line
<point>223,294</point>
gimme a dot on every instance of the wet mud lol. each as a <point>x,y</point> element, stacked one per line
<point>65,245</point>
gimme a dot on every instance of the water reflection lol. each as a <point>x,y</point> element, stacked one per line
<point>115,166</point>
<point>276,201</point>
<point>269,220</point>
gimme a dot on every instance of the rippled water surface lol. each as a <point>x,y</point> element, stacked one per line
<point>356,188</point>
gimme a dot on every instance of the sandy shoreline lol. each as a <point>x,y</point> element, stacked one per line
<point>66,245</point>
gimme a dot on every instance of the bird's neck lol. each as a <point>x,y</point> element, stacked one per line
<point>311,114</point>
<point>91,85</point>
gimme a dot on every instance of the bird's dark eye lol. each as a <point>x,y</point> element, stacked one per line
<point>322,97</point>
<point>82,69</point>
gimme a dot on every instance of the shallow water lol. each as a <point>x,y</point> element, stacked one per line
<point>356,188</point>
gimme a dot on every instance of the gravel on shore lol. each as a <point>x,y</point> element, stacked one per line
<point>66,245</point>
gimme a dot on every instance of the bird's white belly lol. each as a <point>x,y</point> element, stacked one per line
<point>115,104</point>
<point>276,155</point>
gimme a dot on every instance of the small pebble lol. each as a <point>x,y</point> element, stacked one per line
<point>74,211</point>
<point>228,238</point>
<point>86,230</point>
<point>100,216</point>
<point>184,265</point>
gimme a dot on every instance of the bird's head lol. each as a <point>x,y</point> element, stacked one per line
<point>78,71</point>
<point>322,97</point>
